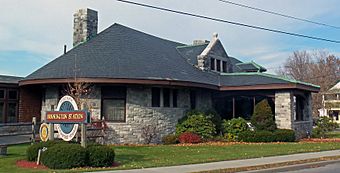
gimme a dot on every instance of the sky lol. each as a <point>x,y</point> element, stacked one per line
<point>34,32</point>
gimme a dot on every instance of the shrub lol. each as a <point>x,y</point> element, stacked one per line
<point>284,135</point>
<point>32,151</point>
<point>100,156</point>
<point>198,123</point>
<point>234,126</point>
<point>263,118</point>
<point>188,137</point>
<point>169,139</point>
<point>279,135</point>
<point>64,156</point>
<point>256,136</point>
<point>216,119</point>
<point>324,125</point>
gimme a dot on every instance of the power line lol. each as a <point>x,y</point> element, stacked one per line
<point>279,14</point>
<point>230,22</point>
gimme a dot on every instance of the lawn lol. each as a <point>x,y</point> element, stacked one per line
<point>131,157</point>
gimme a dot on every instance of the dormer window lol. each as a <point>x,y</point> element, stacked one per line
<point>224,66</point>
<point>212,63</point>
<point>218,65</point>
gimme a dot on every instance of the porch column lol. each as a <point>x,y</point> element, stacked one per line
<point>284,109</point>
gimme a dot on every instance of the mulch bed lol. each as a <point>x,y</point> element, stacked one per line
<point>321,140</point>
<point>28,164</point>
<point>33,165</point>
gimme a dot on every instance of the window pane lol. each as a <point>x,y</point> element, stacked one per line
<point>1,112</point>
<point>192,99</point>
<point>156,97</point>
<point>212,63</point>
<point>174,98</point>
<point>2,94</point>
<point>12,94</point>
<point>114,110</point>
<point>218,65</point>
<point>11,113</point>
<point>166,97</point>
<point>224,66</point>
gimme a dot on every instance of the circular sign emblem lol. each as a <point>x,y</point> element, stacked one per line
<point>43,131</point>
<point>67,131</point>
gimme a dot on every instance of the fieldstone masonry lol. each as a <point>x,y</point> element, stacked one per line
<point>85,25</point>
<point>285,110</point>
<point>139,112</point>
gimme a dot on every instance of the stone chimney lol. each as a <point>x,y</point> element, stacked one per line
<point>85,25</point>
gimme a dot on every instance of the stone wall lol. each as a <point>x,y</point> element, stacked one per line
<point>285,111</point>
<point>140,114</point>
<point>49,101</point>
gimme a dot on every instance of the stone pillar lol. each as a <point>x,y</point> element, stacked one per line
<point>50,101</point>
<point>284,109</point>
<point>85,25</point>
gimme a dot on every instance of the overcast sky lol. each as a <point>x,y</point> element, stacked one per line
<point>33,32</point>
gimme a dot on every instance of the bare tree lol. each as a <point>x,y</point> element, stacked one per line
<point>317,67</point>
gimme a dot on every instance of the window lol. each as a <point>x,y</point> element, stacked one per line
<point>166,97</point>
<point>2,94</point>
<point>174,98</point>
<point>2,112</point>
<point>218,65</point>
<point>114,103</point>
<point>169,97</point>
<point>224,66</point>
<point>11,113</point>
<point>192,99</point>
<point>12,94</point>
<point>212,63</point>
<point>114,109</point>
<point>156,97</point>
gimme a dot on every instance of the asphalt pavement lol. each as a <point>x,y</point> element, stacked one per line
<point>11,140</point>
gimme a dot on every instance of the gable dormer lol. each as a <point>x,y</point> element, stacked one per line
<point>214,57</point>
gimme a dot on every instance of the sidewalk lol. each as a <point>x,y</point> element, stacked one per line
<point>231,164</point>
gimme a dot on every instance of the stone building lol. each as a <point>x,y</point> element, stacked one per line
<point>139,79</point>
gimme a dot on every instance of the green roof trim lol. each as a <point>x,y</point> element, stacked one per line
<point>259,67</point>
<point>271,76</point>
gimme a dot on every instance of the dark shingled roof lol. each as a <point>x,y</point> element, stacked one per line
<point>120,52</point>
<point>9,79</point>
<point>191,52</point>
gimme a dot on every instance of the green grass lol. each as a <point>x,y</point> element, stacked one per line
<point>131,157</point>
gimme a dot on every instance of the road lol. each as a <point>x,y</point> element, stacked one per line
<point>320,167</point>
